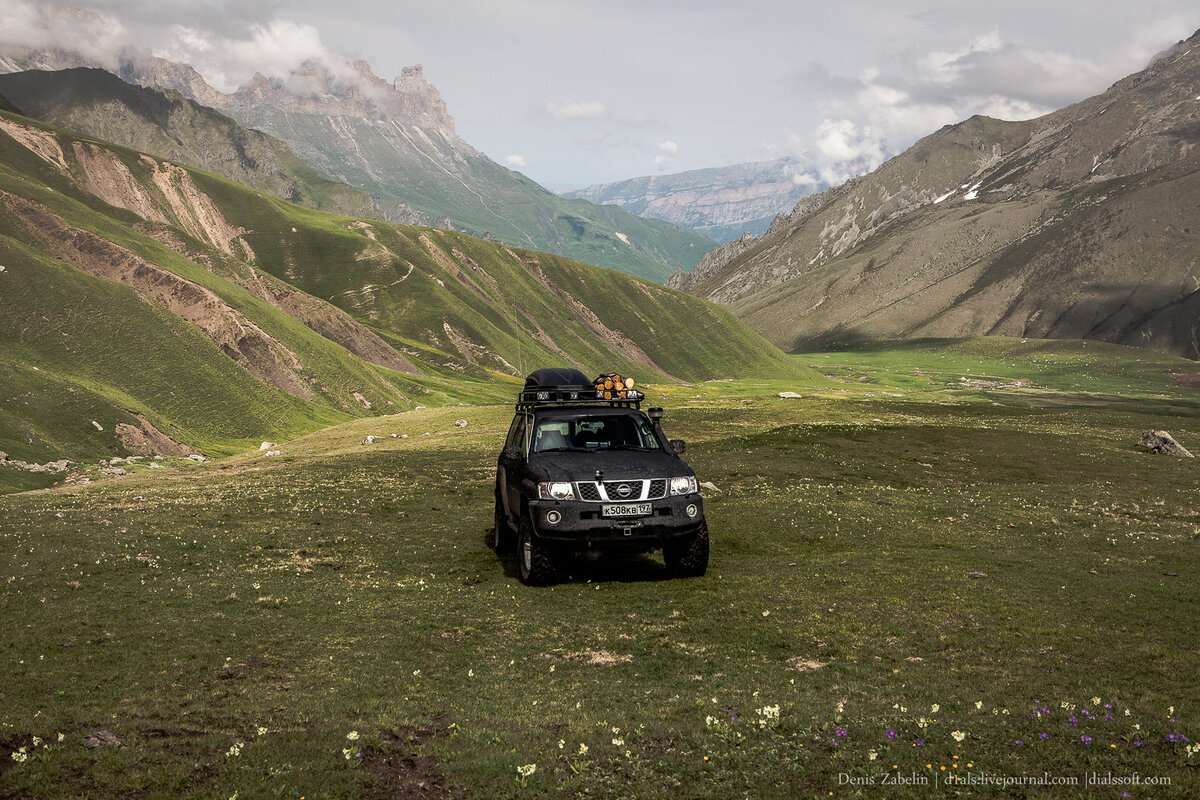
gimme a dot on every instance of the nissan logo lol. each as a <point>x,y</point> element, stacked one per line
<point>624,490</point>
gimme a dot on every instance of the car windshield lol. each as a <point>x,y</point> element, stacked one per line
<point>608,432</point>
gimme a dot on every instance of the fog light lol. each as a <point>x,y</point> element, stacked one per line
<point>692,510</point>
<point>553,517</point>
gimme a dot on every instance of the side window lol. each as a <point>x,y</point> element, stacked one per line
<point>516,432</point>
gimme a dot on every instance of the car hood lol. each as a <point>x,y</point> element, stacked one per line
<point>617,465</point>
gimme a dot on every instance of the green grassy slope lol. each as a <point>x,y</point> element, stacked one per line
<point>440,177</point>
<point>223,316</point>
<point>507,309</point>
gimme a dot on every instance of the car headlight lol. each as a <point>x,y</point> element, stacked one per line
<point>683,485</point>
<point>557,490</point>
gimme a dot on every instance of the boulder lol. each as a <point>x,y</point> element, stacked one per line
<point>790,396</point>
<point>1163,443</point>
<point>460,423</point>
<point>371,439</point>
<point>267,446</point>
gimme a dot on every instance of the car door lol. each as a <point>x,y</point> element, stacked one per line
<point>511,459</point>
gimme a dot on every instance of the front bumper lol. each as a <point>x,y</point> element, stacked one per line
<point>582,526</point>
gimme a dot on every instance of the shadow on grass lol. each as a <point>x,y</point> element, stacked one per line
<point>608,568</point>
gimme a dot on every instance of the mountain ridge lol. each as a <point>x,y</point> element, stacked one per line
<point>167,124</point>
<point>396,142</point>
<point>721,202</point>
<point>1043,228</point>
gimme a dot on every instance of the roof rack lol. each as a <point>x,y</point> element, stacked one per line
<point>570,387</point>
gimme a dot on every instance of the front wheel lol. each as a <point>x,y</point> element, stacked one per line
<point>536,566</point>
<point>688,557</point>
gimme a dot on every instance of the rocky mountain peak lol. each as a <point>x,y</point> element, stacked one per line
<point>315,87</point>
<point>351,90</point>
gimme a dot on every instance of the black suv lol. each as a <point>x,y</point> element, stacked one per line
<point>585,471</point>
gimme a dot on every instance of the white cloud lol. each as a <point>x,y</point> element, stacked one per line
<point>878,114</point>
<point>668,148</point>
<point>96,35</point>
<point>515,162</point>
<point>575,110</point>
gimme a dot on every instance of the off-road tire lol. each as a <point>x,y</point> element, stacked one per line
<point>688,557</point>
<point>534,562</point>
<point>502,533</point>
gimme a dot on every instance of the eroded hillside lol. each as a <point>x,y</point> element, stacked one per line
<point>149,296</point>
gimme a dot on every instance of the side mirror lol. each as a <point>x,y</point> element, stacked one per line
<point>679,446</point>
<point>511,453</point>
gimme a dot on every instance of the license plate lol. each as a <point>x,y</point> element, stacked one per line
<point>626,510</point>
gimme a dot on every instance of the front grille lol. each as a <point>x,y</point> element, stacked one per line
<point>638,490</point>
<point>589,492</point>
<point>624,490</point>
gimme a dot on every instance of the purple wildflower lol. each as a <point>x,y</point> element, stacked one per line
<point>841,732</point>
<point>891,734</point>
<point>918,742</point>
<point>1085,739</point>
<point>1073,721</point>
<point>1043,736</point>
<point>1018,741</point>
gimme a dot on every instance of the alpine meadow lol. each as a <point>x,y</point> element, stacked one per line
<point>264,354</point>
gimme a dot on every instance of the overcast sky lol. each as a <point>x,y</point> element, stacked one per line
<point>576,92</point>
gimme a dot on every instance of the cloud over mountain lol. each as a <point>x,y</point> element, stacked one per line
<point>881,111</point>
